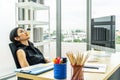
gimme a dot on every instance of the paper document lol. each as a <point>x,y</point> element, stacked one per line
<point>93,67</point>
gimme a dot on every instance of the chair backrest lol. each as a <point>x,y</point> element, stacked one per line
<point>13,49</point>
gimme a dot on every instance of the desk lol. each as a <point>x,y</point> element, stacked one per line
<point>113,63</point>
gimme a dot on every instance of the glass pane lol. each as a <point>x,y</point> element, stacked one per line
<point>73,26</point>
<point>52,6</point>
<point>42,15</point>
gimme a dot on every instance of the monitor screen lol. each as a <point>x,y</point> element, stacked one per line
<point>103,31</point>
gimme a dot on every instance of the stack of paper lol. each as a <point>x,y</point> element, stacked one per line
<point>93,67</point>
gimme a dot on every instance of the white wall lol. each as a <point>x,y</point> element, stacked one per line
<point>7,22</point>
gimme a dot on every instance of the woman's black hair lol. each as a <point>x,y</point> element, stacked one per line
<point>13,34</point>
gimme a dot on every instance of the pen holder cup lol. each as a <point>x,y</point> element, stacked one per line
<point>60,71</point>
<point>77,72</point>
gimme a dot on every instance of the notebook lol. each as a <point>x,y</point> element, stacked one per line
<point>37,69</point>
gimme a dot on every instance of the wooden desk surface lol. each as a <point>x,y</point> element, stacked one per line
<point>113,63</point>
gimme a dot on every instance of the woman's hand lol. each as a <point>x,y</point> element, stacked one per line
<point>47,61</point>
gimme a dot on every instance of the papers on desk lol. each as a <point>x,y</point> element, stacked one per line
<point>36,69</point>
<point>93,67</point>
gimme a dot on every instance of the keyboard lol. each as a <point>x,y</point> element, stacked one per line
<point>37,70</point>
<point>41,69</point>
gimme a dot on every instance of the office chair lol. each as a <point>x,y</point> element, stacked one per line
<point>13,49</point>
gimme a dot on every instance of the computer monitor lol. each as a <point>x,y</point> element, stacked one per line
<point>103,33</point>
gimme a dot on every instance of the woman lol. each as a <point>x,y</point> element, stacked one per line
<point>26,53</point>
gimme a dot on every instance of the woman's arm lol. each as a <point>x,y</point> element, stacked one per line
<point>22,58</point>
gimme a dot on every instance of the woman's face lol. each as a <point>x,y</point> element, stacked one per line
<point>22,35</point>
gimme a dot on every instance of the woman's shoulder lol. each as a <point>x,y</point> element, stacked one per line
<point>20,54</point>
<point>20,50</point>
